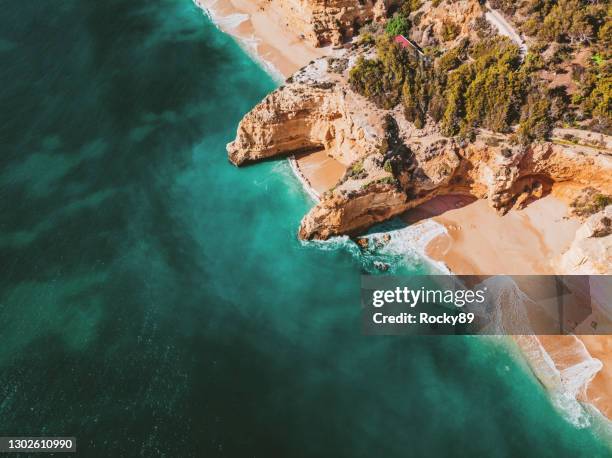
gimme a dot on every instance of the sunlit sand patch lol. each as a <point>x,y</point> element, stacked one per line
<point>322,172</point>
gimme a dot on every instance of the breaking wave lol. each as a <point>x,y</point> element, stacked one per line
<point>392,248</point>
<point>229,24</point>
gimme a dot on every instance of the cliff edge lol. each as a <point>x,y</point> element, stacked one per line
<point>392,165</point>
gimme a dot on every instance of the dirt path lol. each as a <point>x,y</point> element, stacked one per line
<point>505,28</point>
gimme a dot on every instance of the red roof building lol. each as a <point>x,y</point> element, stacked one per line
<point>406,43</point>
<point>402,40</point>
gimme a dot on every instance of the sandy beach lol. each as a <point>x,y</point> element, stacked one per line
<point>320,171</point>
<point>599,390</point>
<point>480,242</point>
<point>261,29</point>
<point>580,356</point>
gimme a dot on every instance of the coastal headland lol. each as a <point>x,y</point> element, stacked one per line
<point>527,198</point>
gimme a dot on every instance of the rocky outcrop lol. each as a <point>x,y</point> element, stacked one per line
<point>510,176</point>
<point>504,178</point>
<point>392,165</point>
<point>591,250</point>
<point>315,110</point>
<point>352,213</point>
<point>447,22</point>
<point>325,22</point>
<point>286,121</point>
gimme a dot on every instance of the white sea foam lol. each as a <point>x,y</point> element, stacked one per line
<point>335,243</point>
<point>250,44</point>
<point>564,385</point>
<point>302,179</point>
<point>223,22</point>
<point>405,247</point>
<point>207,6</point>
<point>509,316</point>
<point>232,21</point>
<point>413,239</point>
<point>572,380</point>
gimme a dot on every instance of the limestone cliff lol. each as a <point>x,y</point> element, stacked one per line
<point>447,22</point>
<point>591,251</point>
<point>392,165</point>
<point>315,110</point>
<point>325,22</point>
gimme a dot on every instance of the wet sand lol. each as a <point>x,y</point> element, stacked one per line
<point>599,391</point>
<point>260,27</point>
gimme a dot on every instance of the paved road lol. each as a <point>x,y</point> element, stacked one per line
<point>505,28</point>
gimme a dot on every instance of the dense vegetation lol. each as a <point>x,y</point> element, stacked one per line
<point>487,84</point>
<point>573,21</point>
<point>559,30</point>
<point>470,86</point>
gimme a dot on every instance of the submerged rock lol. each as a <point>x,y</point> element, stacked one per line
<point>383,267</point>
<point>363,243</point>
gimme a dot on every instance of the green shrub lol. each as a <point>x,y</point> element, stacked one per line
<point>485,91</point>
<point>450,30</point>
<point>357,168</point>
<point>388,167</point>
<point>536,123</point>
<point>387,180</point>
<point>482,85</point>
<point>601,201</point>
<point>454,102</point>
<point>590,202</point>
<point>598,103</point>
<point>367,39</point>
<point>366,78</point>
<point>398,25</point>
<point>416,93</point>
<point>410,6</point>
<point>381,79</point>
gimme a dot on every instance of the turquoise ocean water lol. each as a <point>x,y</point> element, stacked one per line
<point>154,300</point>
